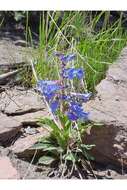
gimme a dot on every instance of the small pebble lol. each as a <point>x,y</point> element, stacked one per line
<point>30,131</point>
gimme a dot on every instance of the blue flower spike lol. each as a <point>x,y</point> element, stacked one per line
<point>76,112</point>
<point>72,73</point>
<point>48,88</point>
<point>65,58</point>
<point>55,95</point>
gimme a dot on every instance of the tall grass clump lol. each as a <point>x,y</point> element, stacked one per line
<point>94,38</point>
<point>101,48</point>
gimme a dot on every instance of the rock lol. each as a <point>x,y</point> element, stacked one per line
<point>31,118</point>
<point>20,43</point>
<point>7,171</point>
<point>9,128</point>
<point>15,57</point>
<point>10,53</point>
<point>22,146</point>
<point>111,174</point>
<point>16,102</point>
<point>30,130</point>
<point>110,108</point>
<point>4,152</point>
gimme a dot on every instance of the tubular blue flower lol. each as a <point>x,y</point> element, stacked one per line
<point>65,58</point>
<point>72,73</point>
<point>83,115</point>
<point>72,116</point>
<point>48,88</point>
<point>47,82</point>
<point>75,107</point>
<point>77,112</point>
<point>54,106</point>
<point>66,97</point>
<point>49,96</point>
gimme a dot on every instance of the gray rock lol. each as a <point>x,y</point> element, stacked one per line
<point>110,108</point>
<point>10,53</point>
<point>22,146</point>
<point>31,118</point>
<point>16,102</point>
<point>30,131</point>
<point>7,171</point>
<point>9,128</point>
<point>14,56</point>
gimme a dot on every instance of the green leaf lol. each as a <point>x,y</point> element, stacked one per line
<point>70,156</point>
<point>44,146</point>
<point>39,146</point>
<point>87,155</point>
<point>60,150</point>
<point>88,146</point>
<point>50,124</point>
<point>59,136</point>
<point>47,147</point>
<point>67,126</point>
<point>46,160</point>
<point>50,148</point>
<point>64,120</point>
<point>44,139</point>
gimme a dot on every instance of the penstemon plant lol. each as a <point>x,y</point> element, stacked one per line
<point>68,122</point>
<point>59,92</point>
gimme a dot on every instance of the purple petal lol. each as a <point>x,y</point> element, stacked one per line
<point>49,96</point>
<point>54,106</point>
<point>78,111</point>
<point>75,107</point>
<point>67,58</point>
<point>49,88</point>
<point>72,116</point>
<point>72,73</point>
<point>65,97</point>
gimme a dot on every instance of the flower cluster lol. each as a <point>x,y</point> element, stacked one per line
<point>72,73</point>
<point>56,94</point>
<point>76,112</point>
